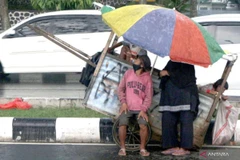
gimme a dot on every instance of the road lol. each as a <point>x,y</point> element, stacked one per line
<point>21,151</point>
<point>71,152</point>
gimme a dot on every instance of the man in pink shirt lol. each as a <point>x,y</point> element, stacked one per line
<point>135,94</point>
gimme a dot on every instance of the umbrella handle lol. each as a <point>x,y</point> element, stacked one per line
<point>153,65</point>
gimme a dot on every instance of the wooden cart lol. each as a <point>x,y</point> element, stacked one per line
<point>107,102</point>
<point>101,94</point>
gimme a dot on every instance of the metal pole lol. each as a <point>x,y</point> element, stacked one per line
<point>154,65</point>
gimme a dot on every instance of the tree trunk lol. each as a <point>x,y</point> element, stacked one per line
<point>142,1</point>
<point>4,14</point>
<point>193,10</point>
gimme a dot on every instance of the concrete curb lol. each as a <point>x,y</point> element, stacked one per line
<point>61,130</point>
<point>67,130</point>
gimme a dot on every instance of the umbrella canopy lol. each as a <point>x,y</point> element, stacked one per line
<point>165,32</point>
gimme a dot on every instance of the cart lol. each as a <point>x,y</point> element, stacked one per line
<point>101,94</point>
<point>106,78</point>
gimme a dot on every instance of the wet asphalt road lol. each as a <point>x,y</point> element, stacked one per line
<point>74,152</point>
<point>80,152</point>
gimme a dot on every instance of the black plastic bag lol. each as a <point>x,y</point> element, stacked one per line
<point>88,71</point>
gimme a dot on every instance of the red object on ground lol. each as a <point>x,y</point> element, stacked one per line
<point>18,103</point>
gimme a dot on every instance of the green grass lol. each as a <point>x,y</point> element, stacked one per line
<point>51,113</point>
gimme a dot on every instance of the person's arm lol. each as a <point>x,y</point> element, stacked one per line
<point>148,99</point>
<point>206,88</point>
<point>122,95</point>
<point>163,73</point>
<point>110,49</point>
<point>224,97</point>
<point>209,89</point>
<point>122,90</point>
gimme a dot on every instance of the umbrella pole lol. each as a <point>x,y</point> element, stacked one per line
<point>154,65</point>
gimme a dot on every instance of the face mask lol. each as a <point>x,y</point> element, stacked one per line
<point>136,67</point>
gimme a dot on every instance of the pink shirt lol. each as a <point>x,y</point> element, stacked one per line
<point>136,90</point>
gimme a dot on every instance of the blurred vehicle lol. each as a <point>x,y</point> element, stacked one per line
<point>225,28</point>
<point>24,51</point>
<point>232,5</point>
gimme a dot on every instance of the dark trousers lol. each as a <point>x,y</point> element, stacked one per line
<point>170,121</point>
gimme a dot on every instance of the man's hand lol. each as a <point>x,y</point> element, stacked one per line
<point>124,108</point>
<point>224,97</point>
<point>164,73</point>
<point>143,115</point>
<point>126,51</point>
<point>213,92</point>
<point>109,50</point>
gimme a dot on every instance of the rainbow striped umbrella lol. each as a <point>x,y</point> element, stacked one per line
<point>165,32</point>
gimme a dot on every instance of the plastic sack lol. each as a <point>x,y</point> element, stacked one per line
<point>225,123</point>
<point>16,104</point>
<point>23,105</point>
